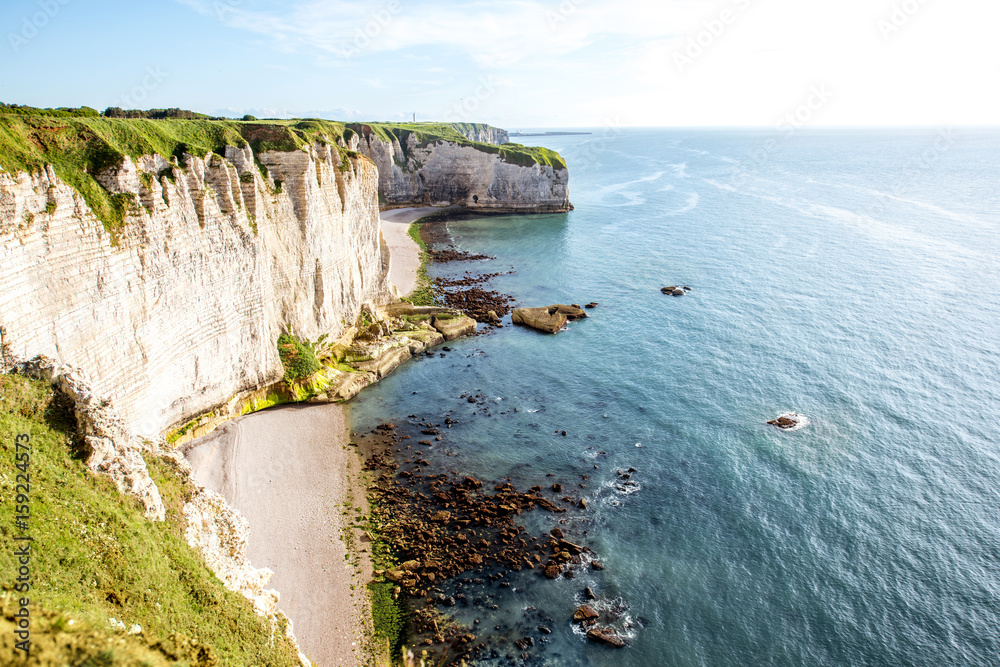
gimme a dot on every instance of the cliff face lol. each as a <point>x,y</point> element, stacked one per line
<point>416,172</point>
<point>483,133</point>
<point>184,309</point>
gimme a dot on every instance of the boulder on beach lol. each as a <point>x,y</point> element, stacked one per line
<point>549,319</point>
<point>606,636</point>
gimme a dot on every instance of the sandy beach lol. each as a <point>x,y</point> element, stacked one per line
<point>290,472</point>
<point>405,252</point>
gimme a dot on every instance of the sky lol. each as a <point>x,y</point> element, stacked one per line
<point>516,63</point>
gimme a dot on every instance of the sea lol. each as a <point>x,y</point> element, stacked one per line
<point>849,276</point>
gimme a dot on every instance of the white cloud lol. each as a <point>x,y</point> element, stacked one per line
<point>493,34</point>
<point>581,61</point>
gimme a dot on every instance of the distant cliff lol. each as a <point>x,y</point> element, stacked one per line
<point>428,164</point>
<point>165,257</point>
<point>482,133</point>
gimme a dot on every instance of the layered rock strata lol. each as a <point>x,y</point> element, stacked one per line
<point>180,310</point>
<point>438,172</point>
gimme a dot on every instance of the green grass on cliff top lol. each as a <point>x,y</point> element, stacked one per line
<point>428,133</point>
<point>79,146</point>
<point>79,143</point>
<point>94,556</point>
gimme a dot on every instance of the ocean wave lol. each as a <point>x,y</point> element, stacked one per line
<point>616,614</point>
<point>721,186</point>
<point>692,203</point>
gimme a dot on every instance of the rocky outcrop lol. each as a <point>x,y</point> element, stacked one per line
<point>110,449</point>
<point>549,319</point>
<point>606,636</point>
<point>220,533</point>
<point>411,172</point>
<point>790,421</point>
<point>454,326</point>
<point>213,528</point>
<point>180,311</point>
<point>483,133</point>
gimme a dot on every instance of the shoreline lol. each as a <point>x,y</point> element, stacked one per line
<point>291,472</point>
<point>404,253</point>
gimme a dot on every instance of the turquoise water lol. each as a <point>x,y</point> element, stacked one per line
<point>850,276</point>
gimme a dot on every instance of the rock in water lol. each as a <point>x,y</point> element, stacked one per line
<point>550,319</point>
<point>606,636</point>
<point>585,613</point>
<point>784,422</point>
<point>544,319</point>
<point>678,292</point>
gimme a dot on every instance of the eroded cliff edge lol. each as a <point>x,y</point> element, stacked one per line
<point>153,264</point>
<point>165,257</point>
<point>182,311</point>
<point>418,165</point>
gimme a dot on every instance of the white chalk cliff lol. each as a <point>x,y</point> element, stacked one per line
<point>413,172</point>
<point>179,310</point>
<point>183,310</point>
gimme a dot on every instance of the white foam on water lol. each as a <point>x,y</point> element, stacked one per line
<point>802,420</point>
<point>692,203</point>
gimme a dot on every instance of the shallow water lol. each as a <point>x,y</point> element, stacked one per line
<point>849,276</point>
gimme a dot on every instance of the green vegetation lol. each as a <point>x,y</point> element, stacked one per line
<point>423,294</point>
<point>97,557</point>
<point>299,359</point>
<point>81,143</point>
<point>156,114</point>
<point>179,433</point>
<point>428,133</point>
<point>388,617</point>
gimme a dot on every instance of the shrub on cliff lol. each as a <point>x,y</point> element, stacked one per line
<point>298,359</point>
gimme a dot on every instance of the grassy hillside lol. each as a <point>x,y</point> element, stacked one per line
<point>80,142</point>
<point>428,133</point>
<point>96,557</point>
<point>79,146</point>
